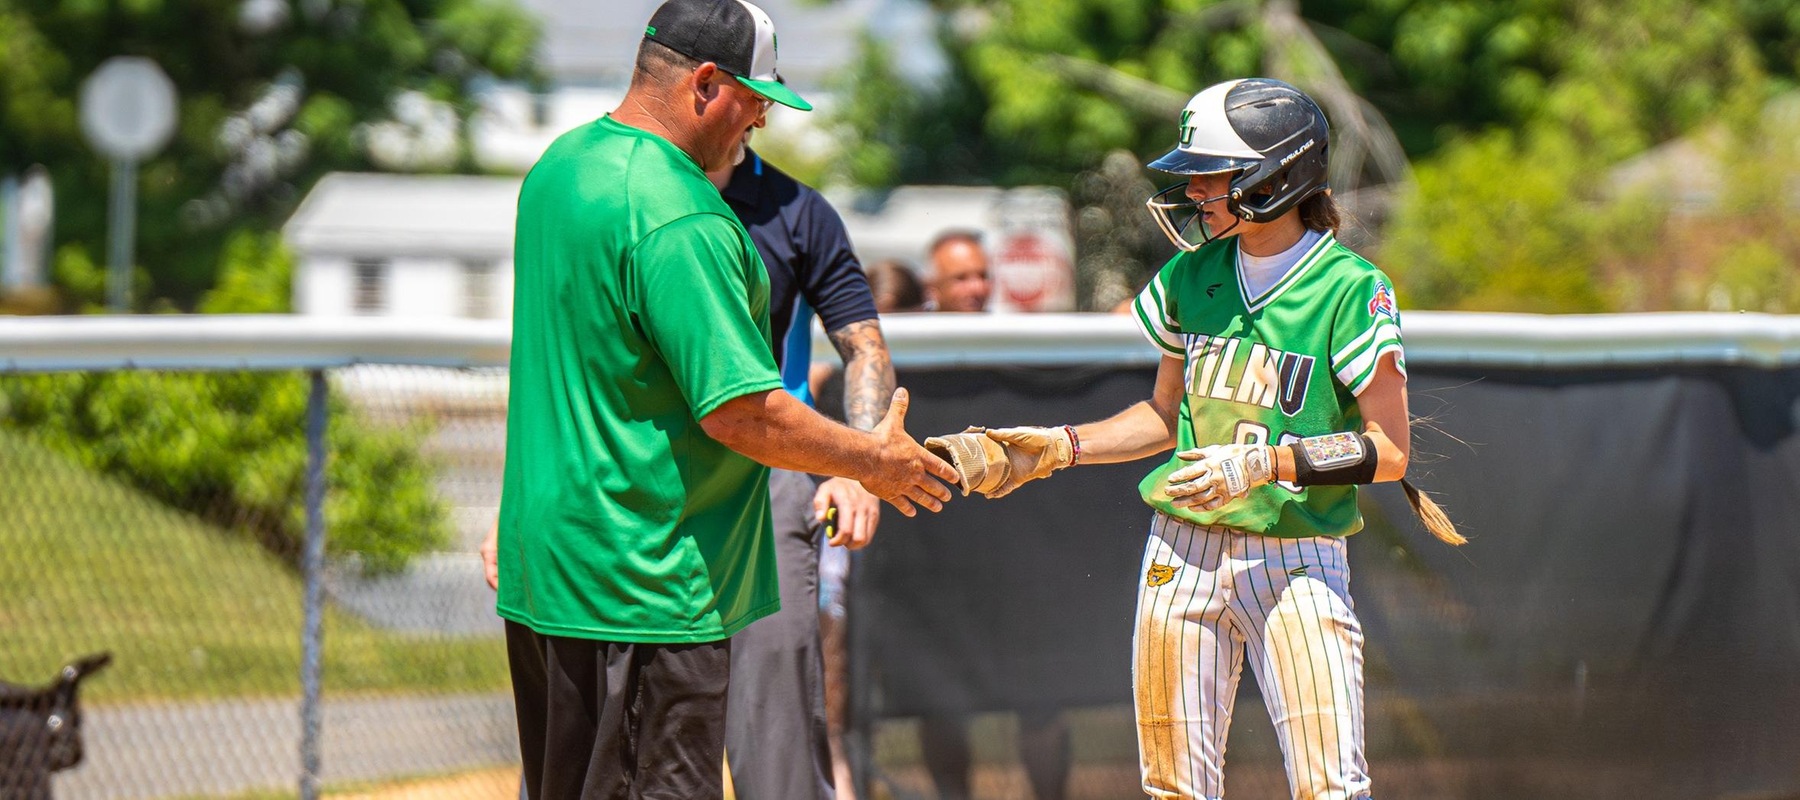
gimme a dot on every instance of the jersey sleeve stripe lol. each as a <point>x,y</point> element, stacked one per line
<point>1372,338</point>
<point>1386,337</point>
<point>1362,381</point>
<point>1158,335</point>
<point>1343,354</point>
<point>1158,292</point>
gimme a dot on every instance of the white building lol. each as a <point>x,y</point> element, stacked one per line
<point>405,246</point>
<point>441,246</point>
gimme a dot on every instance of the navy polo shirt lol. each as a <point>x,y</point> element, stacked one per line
<point>812,268</point>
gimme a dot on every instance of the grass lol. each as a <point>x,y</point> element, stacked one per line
<point>189,610</point>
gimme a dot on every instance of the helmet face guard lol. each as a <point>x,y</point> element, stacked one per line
<point>1269,136</point>
<point>1181,220</point>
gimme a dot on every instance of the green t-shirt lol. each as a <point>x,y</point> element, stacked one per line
<point>640,307</point>
<point>1275,368</point>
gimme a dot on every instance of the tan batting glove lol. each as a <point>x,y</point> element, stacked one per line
<point>980,462</point>
<point>1032,453</point>
<point>1220,474</point>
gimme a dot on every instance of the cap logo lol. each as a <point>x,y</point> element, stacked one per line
<point>649,30</point>
<point>1187,131</point>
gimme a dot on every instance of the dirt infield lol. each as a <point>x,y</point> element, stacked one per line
<point>489,784</point>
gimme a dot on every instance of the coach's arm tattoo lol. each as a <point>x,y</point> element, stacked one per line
<point>868,372</point>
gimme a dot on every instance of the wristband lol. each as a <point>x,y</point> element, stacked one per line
<point>1074,445</point>
<point>1334,459</point>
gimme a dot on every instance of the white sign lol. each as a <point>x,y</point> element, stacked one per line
<point>128,108</point>
<point>1031,258</point>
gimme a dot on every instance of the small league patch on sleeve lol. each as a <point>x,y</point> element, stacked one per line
<point>1382,304</point>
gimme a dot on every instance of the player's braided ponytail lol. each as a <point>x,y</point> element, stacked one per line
<point>1430,513</point>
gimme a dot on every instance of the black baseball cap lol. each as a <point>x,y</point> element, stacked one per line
<point>734,34</point>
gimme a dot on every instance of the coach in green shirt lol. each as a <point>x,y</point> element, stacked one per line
<point>634,531</point>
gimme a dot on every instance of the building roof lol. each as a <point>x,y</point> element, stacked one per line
<point>382,215</point>
<point>378,215</point>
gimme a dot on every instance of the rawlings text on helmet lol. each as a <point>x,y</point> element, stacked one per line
<point>1285,160</point>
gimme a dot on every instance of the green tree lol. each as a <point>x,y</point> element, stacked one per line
<point>273,96</point>
<point>1498,222</point>
<point>1072,92</point>
<point>1058,82</point>
<point>230,446</point>
<point>1526,217</point>
<point>1518,109</point>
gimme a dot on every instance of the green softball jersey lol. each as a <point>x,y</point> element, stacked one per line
<point>1270,369</point>
<point>640,307</point>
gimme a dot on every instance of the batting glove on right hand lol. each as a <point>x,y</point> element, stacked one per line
<point>1220,474</point>
<point>1032,453</point>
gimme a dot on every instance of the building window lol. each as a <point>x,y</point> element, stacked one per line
<point>478,289</point>
<point>369,294</point>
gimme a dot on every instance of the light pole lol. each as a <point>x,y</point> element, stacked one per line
<point>128,113</point>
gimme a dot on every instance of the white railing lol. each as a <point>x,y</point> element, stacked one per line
<point>30,344</point>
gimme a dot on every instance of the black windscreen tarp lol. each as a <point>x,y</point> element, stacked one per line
<point>1630,597</point>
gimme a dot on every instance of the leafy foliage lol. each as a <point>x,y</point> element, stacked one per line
<point>231,446</point>
<point>1514,113</point>
<point>1495,222</point>
<point>266,108</point>
<point>1535,221</point>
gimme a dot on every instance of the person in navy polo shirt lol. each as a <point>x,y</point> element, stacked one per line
<point>776,738</point>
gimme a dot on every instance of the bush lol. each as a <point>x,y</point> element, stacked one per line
<point>231,446</point>
<point>1497,223</point>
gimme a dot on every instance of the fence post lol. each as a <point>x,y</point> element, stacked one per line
<point>312,564</point>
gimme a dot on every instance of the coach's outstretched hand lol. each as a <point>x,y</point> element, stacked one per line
<point>905,474</point>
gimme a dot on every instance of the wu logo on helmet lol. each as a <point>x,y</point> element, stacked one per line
<point>1187,131</point>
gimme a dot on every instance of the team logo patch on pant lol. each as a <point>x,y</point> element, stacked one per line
<point>1158,574</point>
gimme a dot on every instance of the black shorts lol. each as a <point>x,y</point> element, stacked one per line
<point>603,720</point>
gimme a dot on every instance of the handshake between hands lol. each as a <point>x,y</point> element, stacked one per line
<point>995,462</point>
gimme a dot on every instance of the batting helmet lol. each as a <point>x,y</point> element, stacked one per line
<point>1270,136</point>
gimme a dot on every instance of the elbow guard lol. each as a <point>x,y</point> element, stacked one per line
<point>1335,459</point>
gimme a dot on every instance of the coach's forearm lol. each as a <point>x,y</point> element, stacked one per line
<point>773,428</point>
<point>868,372</point>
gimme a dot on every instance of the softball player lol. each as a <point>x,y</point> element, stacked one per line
<point>1282,388</point>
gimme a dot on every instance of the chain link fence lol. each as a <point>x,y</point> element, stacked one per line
<point>154,507</point>
<point>159,517</point>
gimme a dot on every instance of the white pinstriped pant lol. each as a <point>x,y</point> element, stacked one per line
<point>1210,593</point>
